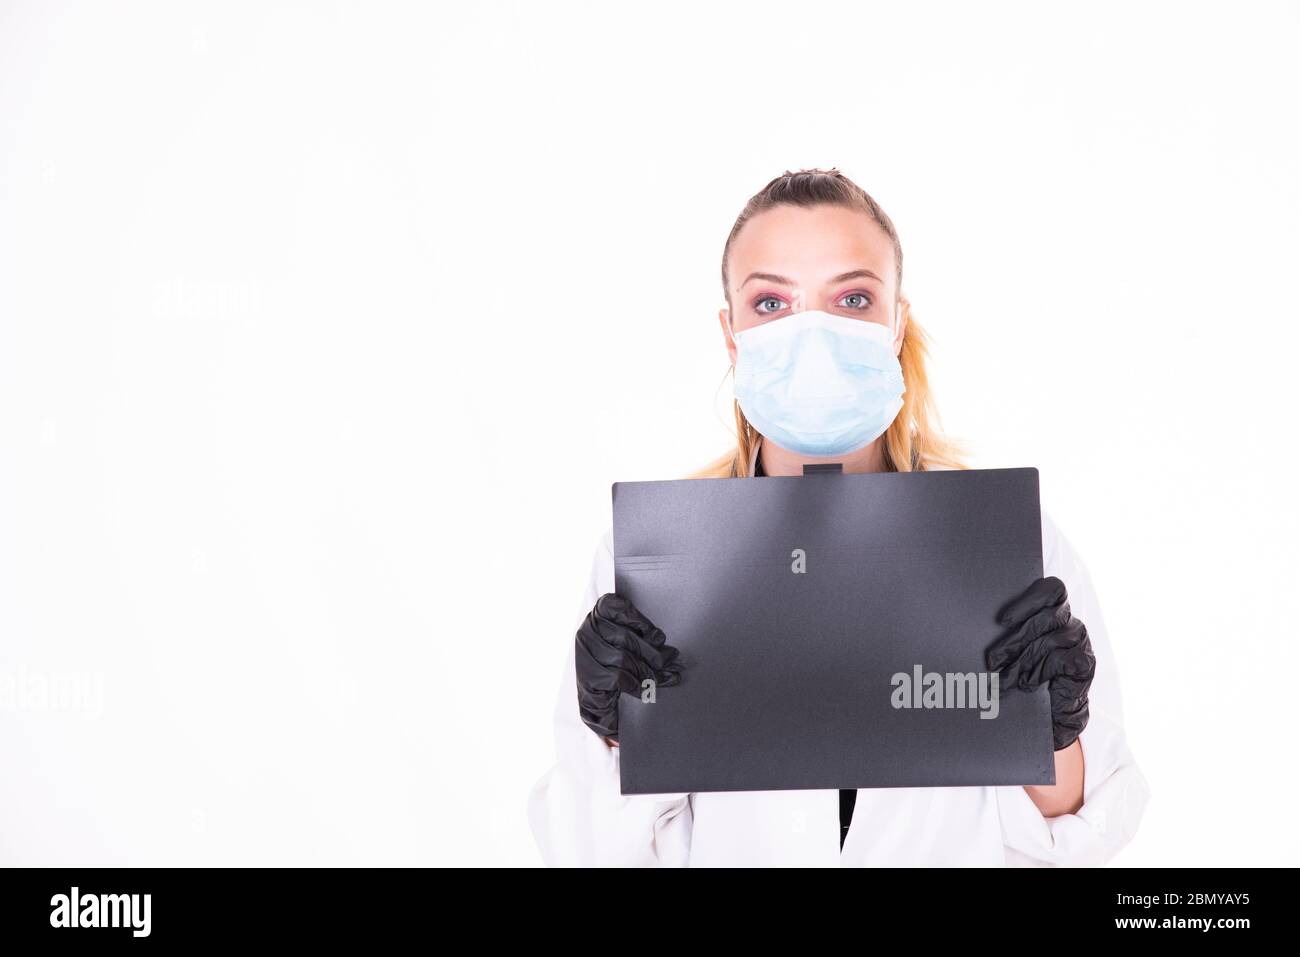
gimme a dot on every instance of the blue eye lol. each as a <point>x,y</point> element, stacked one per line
<point>859,295</point>
<point>758,305</point>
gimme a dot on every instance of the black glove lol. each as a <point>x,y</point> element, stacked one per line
<point>1047,643</point>
<point>618,648</point>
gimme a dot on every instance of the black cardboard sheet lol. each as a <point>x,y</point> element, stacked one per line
<point>796,601</point>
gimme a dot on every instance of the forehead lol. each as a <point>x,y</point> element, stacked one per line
<point>810,245</point>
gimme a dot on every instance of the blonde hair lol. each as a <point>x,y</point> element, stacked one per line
<point>914,442</point>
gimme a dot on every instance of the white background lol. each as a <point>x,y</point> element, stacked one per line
<point>325,328</point>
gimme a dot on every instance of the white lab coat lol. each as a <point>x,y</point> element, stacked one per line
<point>579,817</point>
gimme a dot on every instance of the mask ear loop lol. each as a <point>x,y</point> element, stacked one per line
<point>731,330</point>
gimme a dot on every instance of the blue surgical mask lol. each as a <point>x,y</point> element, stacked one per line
<point>818,384</point>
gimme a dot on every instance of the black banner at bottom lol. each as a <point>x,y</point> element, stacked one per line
<point>371,906</point>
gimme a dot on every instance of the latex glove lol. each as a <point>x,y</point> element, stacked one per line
<point>617,649</point>
<point>1047,643</point>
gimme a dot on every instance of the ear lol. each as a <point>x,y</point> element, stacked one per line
<point>901,331</point>
<point>723,316</point>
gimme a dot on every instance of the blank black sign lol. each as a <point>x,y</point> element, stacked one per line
<point>796,601</point>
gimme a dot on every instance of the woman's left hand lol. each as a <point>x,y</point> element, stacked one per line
<point>1047,643</point>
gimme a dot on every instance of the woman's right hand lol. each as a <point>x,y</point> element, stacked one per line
<point>617,649</point>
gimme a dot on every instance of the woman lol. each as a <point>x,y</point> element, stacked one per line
<point>815,267</point>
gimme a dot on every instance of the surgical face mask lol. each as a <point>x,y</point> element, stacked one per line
<point>818,384</point>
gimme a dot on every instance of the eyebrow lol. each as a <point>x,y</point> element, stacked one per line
<point>842,277</point>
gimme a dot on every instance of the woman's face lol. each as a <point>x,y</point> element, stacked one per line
<point>792,258</point>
